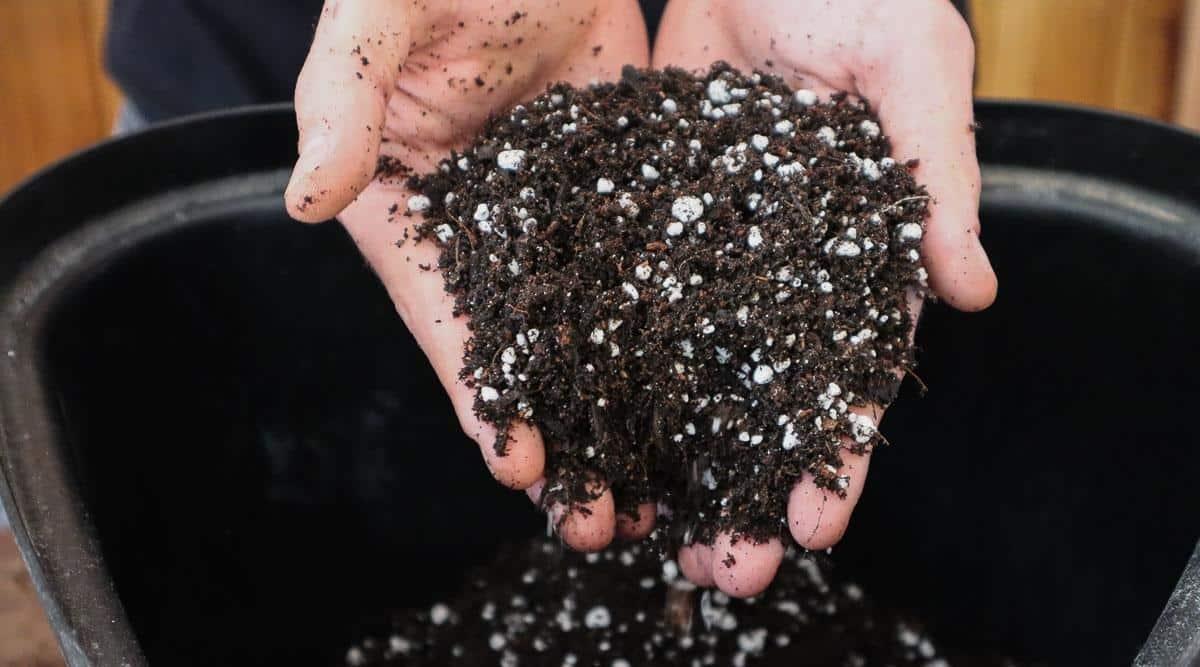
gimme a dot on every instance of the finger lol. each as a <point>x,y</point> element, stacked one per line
<point>587,527</point>
<point>818,517</point>
<point>923,97</point>
<point>341,99</point>
<point>745,568</point>
<point>636,528</point>
<point>427,310</point>
<point>695,561</point>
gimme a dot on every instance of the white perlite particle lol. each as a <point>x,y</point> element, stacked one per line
<point>754,238</point>
<point>511,160</point>
<point>625,201</point>
<point>869,128</point>
<point>630,290</point>
<point>827,135</point>
<point>488,394</point>
<point>418,203</point>
<point>743,315</point>
<point>482,213</point>
<point>604,186</point>
<point>862,428</point>
<point>763,374</point>
<point>805,97</point>
<point>910,231</point>
<point>444,232</point>
<point>870,170</point>
<point>643,271</point>
<point>669,106</point>
<point>752,641</point>
<point>687,208</point>
<point>847,249</point>
<point>497,641</point>
<point>674,228</point>
<point>439,614</point>
<point>596,337</point>
<point>790,439</point>
<point>718,92</point>
<point>597,617</point>
<point>786,171</point>
<point>759,142</point>
<point>400,645</point>
<point>355,657</point>
<point>670,571</point>
<point>649,172</point>
<point>784,127</point>
<point>509,355</point>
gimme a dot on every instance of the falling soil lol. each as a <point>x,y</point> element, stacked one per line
<point>687,283</point>
<point>535,605</point>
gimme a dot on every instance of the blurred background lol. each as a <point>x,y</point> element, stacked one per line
<point>1135,56</point>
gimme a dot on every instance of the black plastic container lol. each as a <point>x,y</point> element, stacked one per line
<point>219,446</point>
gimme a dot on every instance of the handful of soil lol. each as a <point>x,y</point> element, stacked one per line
<point>534,605</point>
<point>685,283</point>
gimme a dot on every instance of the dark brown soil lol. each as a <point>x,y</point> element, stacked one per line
<point>684,282</point>
<point>535,605</point>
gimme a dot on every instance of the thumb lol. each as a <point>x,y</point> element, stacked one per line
<point>341,99</point>
<point>923,96</point>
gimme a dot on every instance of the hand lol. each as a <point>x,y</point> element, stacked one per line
<point>913,60</point>
<point>411,81</point>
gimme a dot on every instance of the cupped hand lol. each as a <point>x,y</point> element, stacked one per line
<point>913,60</point>
<point>412,80</point>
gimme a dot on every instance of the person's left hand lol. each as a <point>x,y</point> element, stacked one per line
<point>412,81</point>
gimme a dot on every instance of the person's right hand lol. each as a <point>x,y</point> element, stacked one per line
<point>913,59</point>
<point>412,81</point>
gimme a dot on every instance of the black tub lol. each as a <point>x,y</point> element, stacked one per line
<point>219,446</point>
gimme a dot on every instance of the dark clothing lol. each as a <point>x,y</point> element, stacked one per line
<point>177,57</point>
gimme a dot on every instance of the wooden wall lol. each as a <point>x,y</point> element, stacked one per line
<point>1120,54</point>
<point>55,97</point>
<point>1141,56</point>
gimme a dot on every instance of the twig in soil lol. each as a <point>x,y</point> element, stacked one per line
<point>913,373</point>
<point>896,204</point>
<point>466,230</point>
